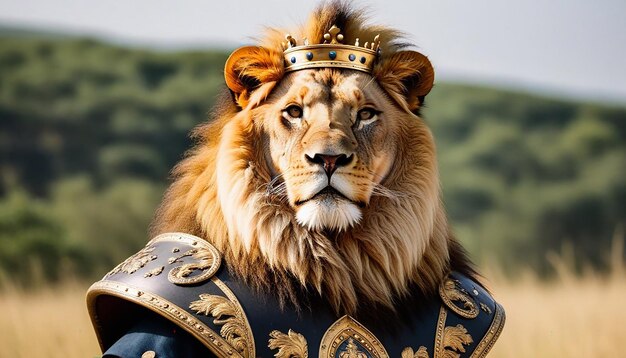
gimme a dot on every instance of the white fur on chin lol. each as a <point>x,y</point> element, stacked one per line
<point>328,213</point>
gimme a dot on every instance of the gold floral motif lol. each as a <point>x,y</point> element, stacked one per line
<point>290,345</point>
<point>451,291</point>
<point>348,329</point>
<point>485,308</point>
<point>449,341</point>
<point>422,352</point>
<point>209,260</point>
<point>154,272</point>
<point>454,338</point>
<point>226,315</point>
<point>135,262</point>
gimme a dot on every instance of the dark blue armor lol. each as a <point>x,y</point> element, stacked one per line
<point>174,298</point>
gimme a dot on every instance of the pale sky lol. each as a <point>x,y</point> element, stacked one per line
<point>569,47</point>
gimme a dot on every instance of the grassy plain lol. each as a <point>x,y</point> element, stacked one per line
<point>567,317</point>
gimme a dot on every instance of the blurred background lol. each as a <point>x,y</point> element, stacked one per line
<point>528,111</point>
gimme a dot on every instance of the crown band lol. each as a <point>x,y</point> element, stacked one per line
<point>332,54</point>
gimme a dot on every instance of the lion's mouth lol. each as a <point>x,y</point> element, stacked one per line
<point>327,193</point>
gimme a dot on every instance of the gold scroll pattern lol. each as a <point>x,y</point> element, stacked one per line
<point>451,291</point>
<point>225,315</point>
<point>208,262</point>
<point>290,345</point>
<point>135,262</point>
<point>450,341</point>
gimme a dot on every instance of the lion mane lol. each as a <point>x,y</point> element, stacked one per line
<point>221,190</point>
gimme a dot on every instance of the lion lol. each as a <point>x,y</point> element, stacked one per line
<point>322,179</point>
<point>307,218</point>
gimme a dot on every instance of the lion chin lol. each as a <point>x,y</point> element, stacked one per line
<point>328,212</point>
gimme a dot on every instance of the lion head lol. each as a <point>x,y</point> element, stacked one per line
<point>322,179</point>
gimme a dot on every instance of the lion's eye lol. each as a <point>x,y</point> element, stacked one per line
<point>366,116</point>
<point>294,111</point>
<point>366,113</point>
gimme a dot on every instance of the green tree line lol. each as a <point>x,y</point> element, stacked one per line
<point>89,132</point>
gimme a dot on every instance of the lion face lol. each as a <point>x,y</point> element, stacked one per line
<point>321,178</point>
<point>330,138</point>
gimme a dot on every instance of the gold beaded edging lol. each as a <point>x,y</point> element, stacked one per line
<point>485,345</point>
<point>164,308</point>
<point>441,324</point>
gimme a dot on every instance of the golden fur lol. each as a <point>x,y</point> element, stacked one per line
<point>249,189</point>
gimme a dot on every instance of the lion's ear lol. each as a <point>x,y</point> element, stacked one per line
<point>248,68</point>
<point>407,76</point>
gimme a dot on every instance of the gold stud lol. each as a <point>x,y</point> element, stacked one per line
<point>148,354</point>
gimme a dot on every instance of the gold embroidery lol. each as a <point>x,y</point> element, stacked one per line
<point>135,262</point>
<point>290,345</point>
<point>449,341</point>
<point>485,308</point>
<point>209,261</point>
<point>492,335</point>
<point>226,315</point>
<point>450,291</point>
<point>247,330</point>
<point>352,351</point>
<point>454,338</point>
<point>347,329</point>
<point>422,352</point>
<point>154,272</point>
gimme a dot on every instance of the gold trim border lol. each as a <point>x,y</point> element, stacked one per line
<point>485,344</point>
<point>344,324</point>
<point>185,238</point>
<point>164,308</point>
<point>441,325</point>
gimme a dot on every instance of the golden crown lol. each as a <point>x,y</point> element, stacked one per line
<point>331,53</point>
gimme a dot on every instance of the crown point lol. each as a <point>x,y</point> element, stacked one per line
<point>376,43</point>
<point>333,35</point>
<point>366,44</point>
<point>356,43</point>
<point>290,40</point>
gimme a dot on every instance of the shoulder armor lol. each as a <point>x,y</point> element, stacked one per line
<point>174,277</point>
<point>179,277</point>
<point>469,315</point>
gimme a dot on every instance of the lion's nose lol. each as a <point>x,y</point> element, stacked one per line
<point>330,162</point>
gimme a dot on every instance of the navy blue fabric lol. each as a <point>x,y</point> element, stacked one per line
<point>156,334</point>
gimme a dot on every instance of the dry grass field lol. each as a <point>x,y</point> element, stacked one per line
<point>568,317</point>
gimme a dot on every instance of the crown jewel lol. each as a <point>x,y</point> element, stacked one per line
<point>331,53</point>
